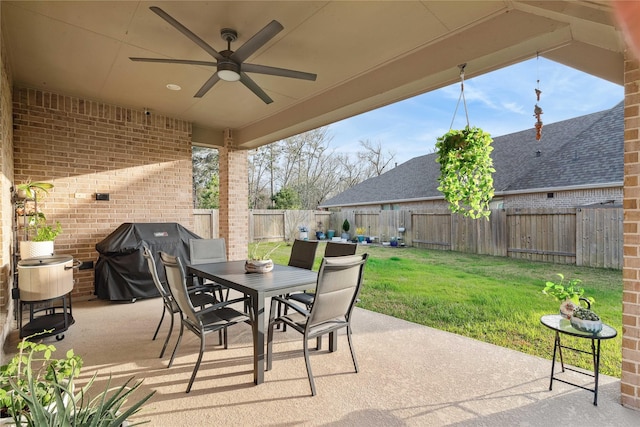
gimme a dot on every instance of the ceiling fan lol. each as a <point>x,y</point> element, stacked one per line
<point>230,65</point>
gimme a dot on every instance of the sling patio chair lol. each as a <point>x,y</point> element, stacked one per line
<point>217,317</point>
<point>337,288</point>
<point>303,255</point>
<point>332,249</point>
<point>199,298</point>
<point>206,251</point>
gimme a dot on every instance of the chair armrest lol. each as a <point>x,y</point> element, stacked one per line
<point>222,304</point>
<point>295,307</point>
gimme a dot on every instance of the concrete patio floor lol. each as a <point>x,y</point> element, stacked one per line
<point>410,375</point>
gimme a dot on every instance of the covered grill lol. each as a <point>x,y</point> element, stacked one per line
<point>121,272</point>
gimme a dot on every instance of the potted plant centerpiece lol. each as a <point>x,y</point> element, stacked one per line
<point>259,262</point>
<point>569,295</point>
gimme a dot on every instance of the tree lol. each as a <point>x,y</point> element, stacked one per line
<point>376,161</point>
<point>209,197</point>
<point>287,198</point>
<point>205,167</point>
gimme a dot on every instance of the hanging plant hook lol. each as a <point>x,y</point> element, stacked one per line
<point>464,101</point>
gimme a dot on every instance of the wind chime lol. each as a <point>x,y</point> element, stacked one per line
<point>537,111</point>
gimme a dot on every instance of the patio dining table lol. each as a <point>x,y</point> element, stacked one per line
<point>281,280</point>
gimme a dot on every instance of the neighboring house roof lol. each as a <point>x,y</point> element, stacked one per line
<point>583,152</point>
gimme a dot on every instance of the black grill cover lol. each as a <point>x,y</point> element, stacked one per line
<point>121,272</point>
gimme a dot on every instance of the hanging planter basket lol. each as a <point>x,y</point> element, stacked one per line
<point>466,166</point>
<point>466,171</point>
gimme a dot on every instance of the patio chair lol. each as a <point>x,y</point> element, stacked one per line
<point>198,298</point>
<point>217,317</point>
<point>303,255</point>
<point>338,285</point>
<point>332,249</point>
<point>205,251</point>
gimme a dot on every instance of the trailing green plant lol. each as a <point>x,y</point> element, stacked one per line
<point>46,396</point>
<point>566,290</point>
<point>466,171</point>
<point>34,373</point>
<point>40,231</point>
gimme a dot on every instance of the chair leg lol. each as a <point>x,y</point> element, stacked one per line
<point>164,308</point>
<point>220,337</point>
<point>166,341</point>
<point>195,368</point>
<point>308,363</point>
<point>175,349</point>
<point>226,342</point>
<point>353,353</point>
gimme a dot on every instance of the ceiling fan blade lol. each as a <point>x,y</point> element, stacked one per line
<point>274,71</point>
<point>257,41</point>
<point>207,85</point>
<point>184,30</point>
<point>253,87</point>
<point>175,61</point>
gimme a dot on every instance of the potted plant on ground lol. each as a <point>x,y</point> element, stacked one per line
<point>360,234</point>
<point>345,229</point>
<point>568,293</point>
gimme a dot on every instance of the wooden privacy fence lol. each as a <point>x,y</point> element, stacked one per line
<point>588,236</point>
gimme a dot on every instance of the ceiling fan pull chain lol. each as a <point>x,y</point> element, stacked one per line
<point>464,100</point>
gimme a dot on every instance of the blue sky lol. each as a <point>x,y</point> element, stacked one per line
<point>500,102</point>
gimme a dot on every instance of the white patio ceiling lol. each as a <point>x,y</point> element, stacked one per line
<point>366,54</point>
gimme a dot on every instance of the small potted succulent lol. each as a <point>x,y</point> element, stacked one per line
<point>585,320</point>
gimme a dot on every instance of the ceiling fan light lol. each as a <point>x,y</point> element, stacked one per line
<point>229,75</point>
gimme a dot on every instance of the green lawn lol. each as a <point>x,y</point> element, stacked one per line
<point>492,299</point>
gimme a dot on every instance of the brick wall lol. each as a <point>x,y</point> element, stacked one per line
<point>234,193</point>
<point>6,211</point>
<point>564,199</point>
<point>84,147</point>
<point>630,383</point>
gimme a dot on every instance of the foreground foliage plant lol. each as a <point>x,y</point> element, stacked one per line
<point>466,171</point>
<point>39,391</point>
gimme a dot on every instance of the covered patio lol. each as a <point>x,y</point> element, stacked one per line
<point>76,111</point>
<point>410,375</point>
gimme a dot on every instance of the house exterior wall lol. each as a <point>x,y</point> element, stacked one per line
<point>630,381</point>
<point>84,147</point>
<point>6,211</point>
<point>564,199</point>
<point>560,199</point>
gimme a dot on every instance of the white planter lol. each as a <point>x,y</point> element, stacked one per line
<point>591,326</point>
<point>304,235</point>
<point>31,249</point>
<point>258,266</point>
